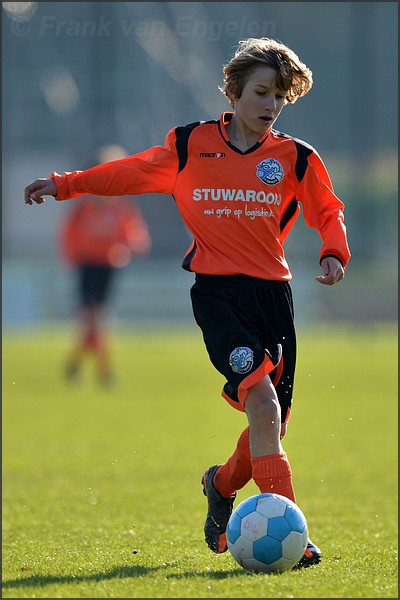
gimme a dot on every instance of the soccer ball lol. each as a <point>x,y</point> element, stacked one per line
<point>268,533</point>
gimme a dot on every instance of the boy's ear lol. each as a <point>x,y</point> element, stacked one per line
<point>231,92</point>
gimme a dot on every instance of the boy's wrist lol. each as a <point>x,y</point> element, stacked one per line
<point>331,256</point>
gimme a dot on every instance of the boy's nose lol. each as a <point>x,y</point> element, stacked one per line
<point>270,103</point>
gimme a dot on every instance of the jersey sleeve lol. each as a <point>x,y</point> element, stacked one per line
<point>323,210</point>
<point>153,171</point>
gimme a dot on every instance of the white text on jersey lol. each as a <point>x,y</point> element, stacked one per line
<point>236,195</point>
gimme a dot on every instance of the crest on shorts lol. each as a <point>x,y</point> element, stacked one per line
<point>270,171</point>
<point>241,359</point>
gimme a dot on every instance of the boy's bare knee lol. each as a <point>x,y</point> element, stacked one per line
<point>262,403</point>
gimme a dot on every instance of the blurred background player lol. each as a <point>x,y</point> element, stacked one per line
<point>99,237</point>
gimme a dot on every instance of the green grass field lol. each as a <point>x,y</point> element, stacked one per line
<point>101,489</point>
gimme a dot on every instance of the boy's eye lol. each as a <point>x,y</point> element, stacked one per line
<point>263,93</point>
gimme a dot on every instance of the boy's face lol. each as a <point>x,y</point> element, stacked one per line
<point>261,102</point>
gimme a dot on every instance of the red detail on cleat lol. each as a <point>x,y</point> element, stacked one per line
<point>222,543</point>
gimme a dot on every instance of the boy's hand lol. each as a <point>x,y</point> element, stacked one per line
<point>38,188</point>
<point>333,271</point>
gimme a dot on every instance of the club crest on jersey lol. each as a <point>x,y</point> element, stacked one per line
<point>241,359</point>
<point>270,171</point>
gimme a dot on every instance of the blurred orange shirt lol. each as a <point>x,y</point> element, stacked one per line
<point>104,231</point>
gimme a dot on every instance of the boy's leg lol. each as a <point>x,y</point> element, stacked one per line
<point>220,483</point>
<point>270,466</point>
<point>84,342</point>
<point>258,454</point>
<point>101,345</point>
<point>237,471</point>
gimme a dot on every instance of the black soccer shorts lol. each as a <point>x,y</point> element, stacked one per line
<point>248,329</point>
<point>94,284</point>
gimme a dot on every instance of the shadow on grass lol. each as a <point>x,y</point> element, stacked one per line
<point>116,573</point>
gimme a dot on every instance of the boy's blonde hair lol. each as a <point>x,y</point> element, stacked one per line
<point>294,78</point>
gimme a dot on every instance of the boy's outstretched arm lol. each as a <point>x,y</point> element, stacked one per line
<point>333,271</point>
<point>38,188</point>
<point>153,171</point>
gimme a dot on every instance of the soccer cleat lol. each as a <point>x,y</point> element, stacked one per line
<point>312,556</point>
<point>219,511</point>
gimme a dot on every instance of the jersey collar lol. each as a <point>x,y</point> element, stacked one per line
<point>225,118</point>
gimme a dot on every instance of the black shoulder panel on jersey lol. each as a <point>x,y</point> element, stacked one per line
<point>303,152</point>
<point>182,140</point>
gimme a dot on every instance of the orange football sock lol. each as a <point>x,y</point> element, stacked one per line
<point>273,474</point>
<point>237,471</point>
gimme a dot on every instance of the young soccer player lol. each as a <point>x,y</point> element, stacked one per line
<point>238,184</point>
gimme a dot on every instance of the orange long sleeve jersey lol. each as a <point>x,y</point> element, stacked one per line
<point>239,206</point>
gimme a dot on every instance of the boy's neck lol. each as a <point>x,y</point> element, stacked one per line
<point>240,136</point>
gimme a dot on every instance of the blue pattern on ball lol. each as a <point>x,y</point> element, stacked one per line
<point>295,519</point>
<point>248,505</point>
<point>267,552</point>
<point>233,529</point>
<point>278,528</point>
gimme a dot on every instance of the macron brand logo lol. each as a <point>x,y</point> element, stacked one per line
<point>212,154</point>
